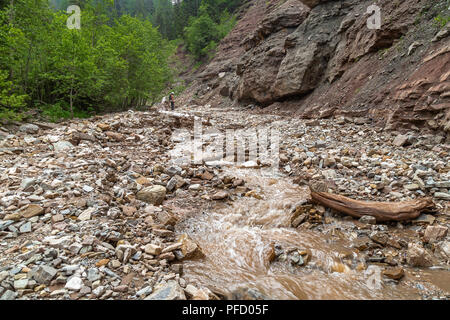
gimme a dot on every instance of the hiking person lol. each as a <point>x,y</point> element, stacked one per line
<point>172,100</point>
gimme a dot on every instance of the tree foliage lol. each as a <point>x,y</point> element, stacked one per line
<point>181,19</point>
<point>212,23</point>
<point>112,62</point>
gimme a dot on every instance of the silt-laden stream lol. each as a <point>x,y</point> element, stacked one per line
<point>238,238</point>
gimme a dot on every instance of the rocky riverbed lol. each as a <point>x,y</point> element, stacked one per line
<point>98,209</point>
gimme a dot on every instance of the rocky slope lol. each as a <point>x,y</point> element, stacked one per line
<point>318,59</point>
<point>96,209</point>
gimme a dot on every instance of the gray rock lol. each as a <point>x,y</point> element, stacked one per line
<point>33,259</point>
<point>173,170</point>
<point>30,139</point>
<point>5,224</point>
<point>27,182</point>
<point>99,291</point>
<point>3,275</point>
<point>85,290</point>
<point>75,247</point>
<point>44,274</point>
<point>110,273</point>
<point>16,270</point>
<point>88,188</point>
<point>93,275</point>
<point>69,270</point>
<point>195,187</point>
<point>169,291</point>
<point>397,195</point>
<point>20,284</point>
<point>400,140</point>
<point>442,184</point>
<point>320,144</point>
<point>8,295</point>
<point>25,228</point>
<point>13,229</point>
<point>171,184</point>
<point>29,128</point>
<point>412,186</point>
<point>424,219</point>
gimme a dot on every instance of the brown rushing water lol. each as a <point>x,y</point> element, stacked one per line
<point>237,237</point>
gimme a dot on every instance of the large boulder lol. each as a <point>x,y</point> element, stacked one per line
<point>44,274</point>
<point>29,128</point>
<point>62,145</point>
<point>265,47</point>
<point>281,61</point>
<point>301,70</point>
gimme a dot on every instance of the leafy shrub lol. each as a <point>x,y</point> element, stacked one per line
<point>11,104</point>
<point>203,34</point>
<point>442,20</point>
<point>61,111</point>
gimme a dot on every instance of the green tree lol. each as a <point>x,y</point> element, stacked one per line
<point>201,35</point>
<point>11,104</point>
<point>205,31</point>
<point>110,63</point>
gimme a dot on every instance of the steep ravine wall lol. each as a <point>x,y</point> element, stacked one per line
<point>319,59</point>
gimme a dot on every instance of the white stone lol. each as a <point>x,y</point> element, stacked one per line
<point>74,283</point>
<point>88,188</point>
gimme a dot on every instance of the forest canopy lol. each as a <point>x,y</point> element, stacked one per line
<point>116,60</point>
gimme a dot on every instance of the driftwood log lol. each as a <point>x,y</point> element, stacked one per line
<point>382,211</point>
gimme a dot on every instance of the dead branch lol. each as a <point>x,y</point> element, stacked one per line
<point>382,211</point>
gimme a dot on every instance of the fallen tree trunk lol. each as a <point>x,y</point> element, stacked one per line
<point>382,211</point>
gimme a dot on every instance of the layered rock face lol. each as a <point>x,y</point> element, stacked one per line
<point>320,58</point>
<point>259,67</point>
